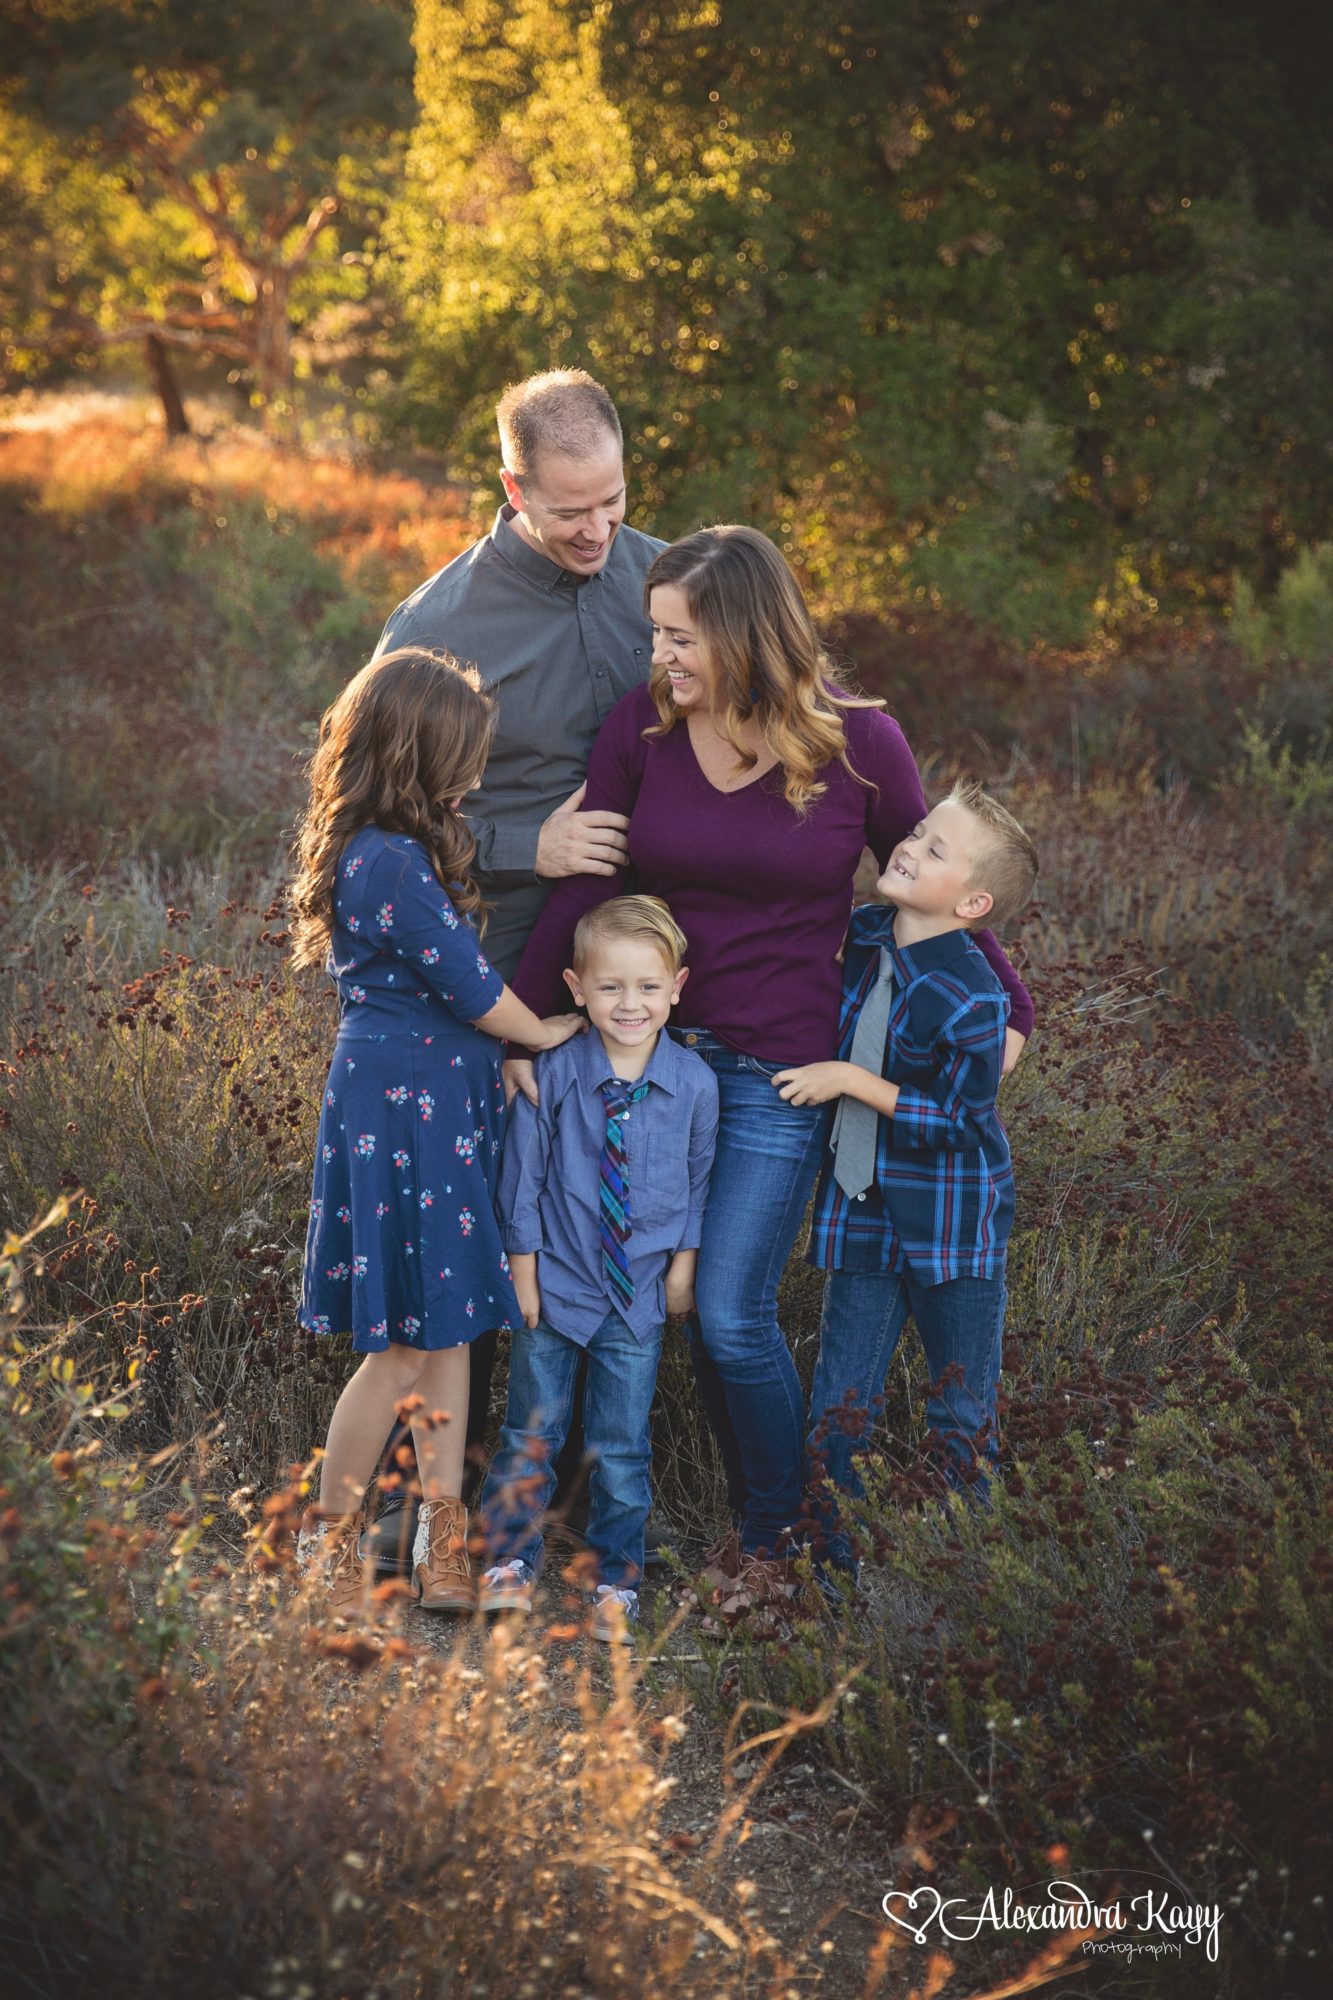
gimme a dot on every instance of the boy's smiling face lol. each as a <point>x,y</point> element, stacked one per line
<point>930,873</point>
<point>628,989</point>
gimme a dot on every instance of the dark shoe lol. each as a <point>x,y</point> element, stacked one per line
<point>660,1543</point>
<point>390,1541</point>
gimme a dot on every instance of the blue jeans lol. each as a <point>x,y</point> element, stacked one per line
<point>768,1156</point>
<point>961,1324</point>
<point>543,1371</point>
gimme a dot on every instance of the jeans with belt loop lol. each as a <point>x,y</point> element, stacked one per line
<point>767,1160</point>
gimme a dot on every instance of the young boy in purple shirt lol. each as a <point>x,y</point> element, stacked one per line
<point>601,1200</point>
<point>914,1207</point>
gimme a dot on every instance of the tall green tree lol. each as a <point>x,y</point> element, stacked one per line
<point>1016,305</point>
<point>222,167</point>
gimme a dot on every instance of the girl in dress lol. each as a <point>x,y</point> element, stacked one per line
<point>403,1250</point>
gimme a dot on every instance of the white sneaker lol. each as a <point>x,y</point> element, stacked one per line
<point>614,1614</point>
<point>506,1587</point>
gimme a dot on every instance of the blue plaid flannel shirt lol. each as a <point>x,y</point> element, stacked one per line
<point>943,1198</point>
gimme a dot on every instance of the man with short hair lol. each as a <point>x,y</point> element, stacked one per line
<point>549,607</point>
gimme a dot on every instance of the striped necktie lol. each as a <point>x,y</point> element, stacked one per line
<point>613,1178</point>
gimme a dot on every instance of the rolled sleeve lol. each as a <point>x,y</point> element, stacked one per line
<point>952,1113</point>
<point>506,855</point>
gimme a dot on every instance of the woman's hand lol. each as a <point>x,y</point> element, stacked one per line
<point>813,1083</point>
<point>1014,1045</point>
<point>519,1073</point>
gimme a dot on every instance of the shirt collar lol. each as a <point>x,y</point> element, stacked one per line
<point>875,928</point>
<point>663,1067</point>
<point>530,562</point>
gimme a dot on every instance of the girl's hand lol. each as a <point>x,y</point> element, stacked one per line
<point>519,1073</point>
<point>557,1028</point>
<point>1014,1045</point>
<point>813,1083</point>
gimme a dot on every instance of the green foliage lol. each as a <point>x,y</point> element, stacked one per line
<point>1298,621</point>
<point>958,304</point>
<point>227,173</point>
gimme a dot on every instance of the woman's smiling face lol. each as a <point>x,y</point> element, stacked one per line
<point>676,649</point>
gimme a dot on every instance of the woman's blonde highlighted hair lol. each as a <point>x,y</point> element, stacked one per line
<point>408,734</point>
<point>756,640</point>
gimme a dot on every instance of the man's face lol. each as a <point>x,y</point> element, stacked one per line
<point>570,508</point>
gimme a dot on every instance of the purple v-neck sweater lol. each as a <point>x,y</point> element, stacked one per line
<point>762,895</point>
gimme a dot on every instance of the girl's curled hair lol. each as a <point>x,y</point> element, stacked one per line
<point>406,736</point>
<point>761,650</point>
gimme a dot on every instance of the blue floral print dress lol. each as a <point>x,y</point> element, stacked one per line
<point>403,1244</point>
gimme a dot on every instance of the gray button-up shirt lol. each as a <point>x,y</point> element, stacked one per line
<point>557,651</point>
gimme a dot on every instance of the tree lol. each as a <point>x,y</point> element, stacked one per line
<point>951,297</point>
<point>222,166</point>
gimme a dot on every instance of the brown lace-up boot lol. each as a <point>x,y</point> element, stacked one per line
<point>441,1568</point>
<point>328,1548</point>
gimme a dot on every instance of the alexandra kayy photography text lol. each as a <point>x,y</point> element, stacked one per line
<point>1152,1920</point>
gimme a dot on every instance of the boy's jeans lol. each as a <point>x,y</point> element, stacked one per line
<point>960,1323</point>
<point>543,1371</point>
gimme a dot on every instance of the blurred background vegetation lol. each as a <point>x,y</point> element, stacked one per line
<point>1014,309</point>
<point>1012,323</point>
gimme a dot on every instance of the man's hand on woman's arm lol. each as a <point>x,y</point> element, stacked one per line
<point>581,843</point>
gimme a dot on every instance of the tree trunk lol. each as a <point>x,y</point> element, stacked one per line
<point>164,381</point>
<point>273,333</point>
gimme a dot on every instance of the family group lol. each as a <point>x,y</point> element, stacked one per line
<point>589,771</point>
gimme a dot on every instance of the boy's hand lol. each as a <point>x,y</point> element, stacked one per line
<point>519,1073</point>
<point>1014,1045</point>
<point>523,1271</point>
<point>813,1083</point>
<point>679,1284</point>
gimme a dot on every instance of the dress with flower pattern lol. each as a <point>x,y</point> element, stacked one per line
<point>403,1243</point>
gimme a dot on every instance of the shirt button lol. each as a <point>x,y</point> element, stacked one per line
<point>601,673</point>
<point>691,1041</point>
<point>860,1197</point>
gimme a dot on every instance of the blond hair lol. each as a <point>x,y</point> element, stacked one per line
<point>756,640</point>
<point>406,736</point>
<point>1004,859</point>
<point>646,919</point>
<point>562,410</point>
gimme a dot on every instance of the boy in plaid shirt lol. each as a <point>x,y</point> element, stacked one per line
<point>914,1208</point>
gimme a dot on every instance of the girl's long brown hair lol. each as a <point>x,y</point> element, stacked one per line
<point>755,637</point>
<point>406,736</point>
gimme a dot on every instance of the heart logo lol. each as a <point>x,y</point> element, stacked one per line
<point>915,1930</point>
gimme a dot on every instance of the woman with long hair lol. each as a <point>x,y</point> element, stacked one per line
<point>753,780</point>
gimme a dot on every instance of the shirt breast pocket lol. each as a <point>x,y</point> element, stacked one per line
<point>658,1180</point>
